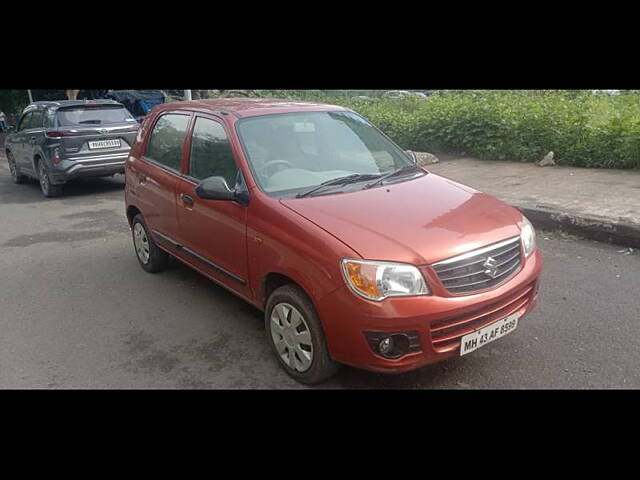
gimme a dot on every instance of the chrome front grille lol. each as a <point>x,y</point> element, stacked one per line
<point>480,269</point>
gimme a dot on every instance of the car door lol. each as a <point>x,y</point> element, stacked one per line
<point>213,232</point>
<point>153,177</point>
<point>17,141</point>
<point>32,137</point>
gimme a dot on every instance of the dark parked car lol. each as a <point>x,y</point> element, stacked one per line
<point>58,141</point>
<point>403,94</point>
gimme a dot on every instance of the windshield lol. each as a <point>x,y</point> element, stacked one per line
<point>292,152</point>
<point>92,115</point>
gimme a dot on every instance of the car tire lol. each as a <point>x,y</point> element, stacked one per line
<point>298,343</point>
<point>13,169</point>
<point>48,189</point>
<point>151,258</point>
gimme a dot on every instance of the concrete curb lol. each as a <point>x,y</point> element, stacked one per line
<point>601,229</point>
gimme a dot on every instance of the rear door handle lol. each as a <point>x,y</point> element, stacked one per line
<point>142,177</point>
<point>187,199</point>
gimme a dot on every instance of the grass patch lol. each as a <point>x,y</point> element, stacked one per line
<point>581,128</point>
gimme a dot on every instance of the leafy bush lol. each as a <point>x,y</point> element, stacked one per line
<point>581,128</point>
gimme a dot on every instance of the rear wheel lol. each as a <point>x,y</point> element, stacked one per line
<point>13,168</point>
<point>48,190</point>
<point>296,335</point>
<point>152,259</point>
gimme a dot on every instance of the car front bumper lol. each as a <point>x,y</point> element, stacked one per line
<point>438,322</point>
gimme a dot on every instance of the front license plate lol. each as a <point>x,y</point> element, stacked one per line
<point>104,144</point>
<point>488,334</point>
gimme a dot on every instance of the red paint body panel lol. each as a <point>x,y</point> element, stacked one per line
<point>345,317</point>
<point>419,221</point>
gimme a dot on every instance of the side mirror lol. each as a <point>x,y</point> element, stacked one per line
<point>412,155</point>
<point>215,188</point>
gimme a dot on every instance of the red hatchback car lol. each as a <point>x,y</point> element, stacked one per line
<point>355,254</point>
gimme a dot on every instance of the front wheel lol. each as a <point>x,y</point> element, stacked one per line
<point>152,259</point>
<point>296,335</point>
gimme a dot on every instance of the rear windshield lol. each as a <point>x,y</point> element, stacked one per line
<point>91,115</point>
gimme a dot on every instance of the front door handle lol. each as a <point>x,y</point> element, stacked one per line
<point>187,199</point>
<point>142,177</point>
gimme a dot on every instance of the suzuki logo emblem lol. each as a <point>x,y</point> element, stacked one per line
<point>103,131</point>
<point>491,266</point>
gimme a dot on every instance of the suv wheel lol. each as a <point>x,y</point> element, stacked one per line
<point>13,168</point>
<point>296,335</point>
<point>48,190</point>
<point>152,259</point>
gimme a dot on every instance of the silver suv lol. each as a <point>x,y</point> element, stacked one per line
<point>58,141</point>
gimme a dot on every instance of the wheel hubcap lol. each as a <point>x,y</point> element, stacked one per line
<point>292,337</point>
<point>141,243</point>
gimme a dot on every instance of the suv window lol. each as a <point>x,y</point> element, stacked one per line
<point>24,121</point>
<point>49,118</point>
<point>211,152</point>
<point>167,138</point>
<point>36,120</point>
<point>93,115</point>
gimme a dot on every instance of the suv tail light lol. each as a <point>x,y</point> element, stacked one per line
<point>54,134</point>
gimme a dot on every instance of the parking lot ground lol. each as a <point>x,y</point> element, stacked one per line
<point>76,311</point>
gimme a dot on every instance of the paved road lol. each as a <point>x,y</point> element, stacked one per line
<point>77,311</point>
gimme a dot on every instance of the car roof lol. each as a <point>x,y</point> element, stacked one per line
<point>248,107</point>
<point>71,103</point>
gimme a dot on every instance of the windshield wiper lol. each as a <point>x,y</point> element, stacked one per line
<point>404,169</point>
<point>354,177</point>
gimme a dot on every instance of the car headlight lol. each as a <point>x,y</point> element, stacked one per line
<point>379,280</point>
<point>528,236</point>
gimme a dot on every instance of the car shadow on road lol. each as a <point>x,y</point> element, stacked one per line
<point>91,186</point>
<point>30,192</point>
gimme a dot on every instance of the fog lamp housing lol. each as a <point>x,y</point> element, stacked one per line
<point>393,345</point>
<point>385,347</point>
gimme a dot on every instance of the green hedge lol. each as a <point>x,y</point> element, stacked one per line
<point>581,128</point>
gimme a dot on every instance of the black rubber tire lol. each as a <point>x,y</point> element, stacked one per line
<point>17,178</point>
<point>322,366</point>
<point>46,187</point>
<point>158,258</point>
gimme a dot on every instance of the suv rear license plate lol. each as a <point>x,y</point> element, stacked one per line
<point>488,334</point>
<point>104,144</point>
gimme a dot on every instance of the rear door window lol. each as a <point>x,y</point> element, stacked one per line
<point>24,121</point>
<point>36,120</point>
<point>49,118</point>
<point>94,115</point>
<point>211,154</point>
<point>167,139</point>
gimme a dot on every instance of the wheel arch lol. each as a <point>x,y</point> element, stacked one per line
<point>274,280</point>
<point>132,211</point>
<point>36,159</point>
